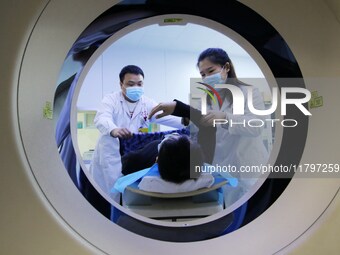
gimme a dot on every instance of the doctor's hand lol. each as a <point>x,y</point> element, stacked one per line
<point>121,133</point>
<point>167,108</point>
<point>208,120</point>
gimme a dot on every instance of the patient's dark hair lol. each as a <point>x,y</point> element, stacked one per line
<point>177,156</point>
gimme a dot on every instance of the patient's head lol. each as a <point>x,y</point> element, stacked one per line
<point>177,156</point>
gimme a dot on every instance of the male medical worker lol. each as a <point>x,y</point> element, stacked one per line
<point>121,114</point>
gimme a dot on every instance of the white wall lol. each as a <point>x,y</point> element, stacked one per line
<point>168,66</point>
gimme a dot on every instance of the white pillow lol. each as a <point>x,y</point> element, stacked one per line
<point>157,184</point>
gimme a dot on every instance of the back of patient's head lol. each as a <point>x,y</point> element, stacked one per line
<point>177,156</point>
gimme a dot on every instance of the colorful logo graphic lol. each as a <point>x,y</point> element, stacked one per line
<point>211,89</point>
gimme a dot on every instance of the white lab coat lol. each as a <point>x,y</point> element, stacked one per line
<point>113,112</point>
<point>240,146</point>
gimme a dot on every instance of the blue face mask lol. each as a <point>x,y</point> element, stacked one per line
<point>134,93</point>
<point>214,79</point>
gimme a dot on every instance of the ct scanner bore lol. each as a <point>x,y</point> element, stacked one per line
<point>39,162</point>
<point>270,49</point>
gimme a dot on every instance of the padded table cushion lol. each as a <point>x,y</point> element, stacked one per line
<point>218,183</point>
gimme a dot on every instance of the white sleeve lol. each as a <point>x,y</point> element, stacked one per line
<point>104,117</point>
<point>238,124</point>
<point>170,121</point>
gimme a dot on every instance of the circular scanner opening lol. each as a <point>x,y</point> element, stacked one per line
<point>169,69</point>
<point>98,65</point>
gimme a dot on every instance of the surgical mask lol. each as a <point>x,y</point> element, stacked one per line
<point>214,79</point>
<point>134,93</point>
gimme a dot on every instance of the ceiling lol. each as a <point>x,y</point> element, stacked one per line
<point>189,37</point>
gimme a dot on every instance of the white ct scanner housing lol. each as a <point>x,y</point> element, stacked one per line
<point>42,212</point>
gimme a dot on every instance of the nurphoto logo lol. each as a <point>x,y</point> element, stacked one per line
<point>239,102</point>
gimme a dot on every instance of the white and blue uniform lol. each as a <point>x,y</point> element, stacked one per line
<point>240,145</point>
<point>114,113</point>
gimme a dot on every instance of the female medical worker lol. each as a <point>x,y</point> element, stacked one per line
<point>238,144</point>
<point>119,116</point>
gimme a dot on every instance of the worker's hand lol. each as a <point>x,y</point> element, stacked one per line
<point>208,120</point>
<point>121,133</point>
<point>185,121</point>
<point>167,108</point>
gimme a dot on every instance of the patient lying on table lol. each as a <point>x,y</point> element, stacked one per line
<point>173,170</point>
<point>177,157</point>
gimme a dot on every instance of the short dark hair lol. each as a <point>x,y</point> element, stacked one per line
<point>130,69</point>
<point>177,157</point>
